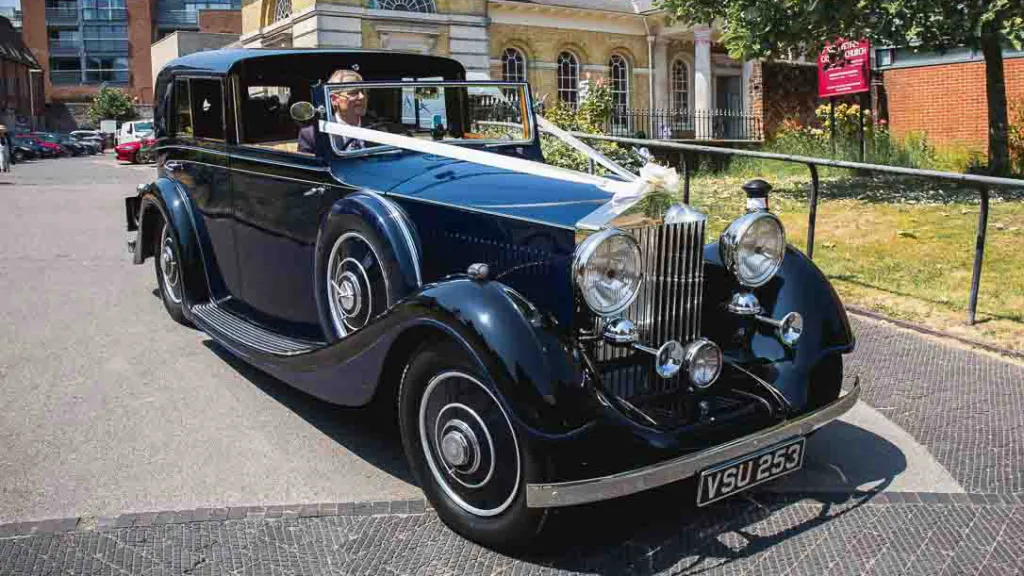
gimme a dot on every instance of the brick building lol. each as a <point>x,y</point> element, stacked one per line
<point>943,95</point>
<point>83,44</point>
<point>20,80</point>
<point>681,72</point>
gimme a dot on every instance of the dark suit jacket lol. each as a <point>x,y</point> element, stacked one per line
<point>307,139</point>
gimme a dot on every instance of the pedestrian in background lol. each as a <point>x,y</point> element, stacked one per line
<point>5,150</point>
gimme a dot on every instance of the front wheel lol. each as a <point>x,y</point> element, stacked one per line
<point>465,451</point>
<point>169,276</point>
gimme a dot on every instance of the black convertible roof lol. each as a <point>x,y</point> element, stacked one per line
<point>372,64</point>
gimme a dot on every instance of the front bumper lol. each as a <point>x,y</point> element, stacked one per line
<point>574,492</point>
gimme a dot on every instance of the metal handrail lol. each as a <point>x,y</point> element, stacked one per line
<point>982,182</point>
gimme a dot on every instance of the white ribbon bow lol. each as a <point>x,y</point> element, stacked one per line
<point>653,177</point>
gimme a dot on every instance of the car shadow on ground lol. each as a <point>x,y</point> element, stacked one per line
<point>371,433</point>
<point>658,530</point>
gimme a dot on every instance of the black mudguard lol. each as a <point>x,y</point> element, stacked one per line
<point>167,200</point>
<point>535,368</point>
<point>800,287</point>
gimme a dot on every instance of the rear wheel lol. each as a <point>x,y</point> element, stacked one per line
<point>19,156</point>
<point>465,451</point>
<point>169,276</point>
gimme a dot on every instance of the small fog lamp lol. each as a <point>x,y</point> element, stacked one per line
<point>703,360</point>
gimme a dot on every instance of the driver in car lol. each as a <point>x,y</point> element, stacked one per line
<point>349,107</point>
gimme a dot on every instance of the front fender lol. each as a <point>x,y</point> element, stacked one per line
<point>538,372</point>
<point>164,201</point>
<point>800,287</point>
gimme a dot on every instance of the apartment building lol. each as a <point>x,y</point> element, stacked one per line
<point>85,44</point>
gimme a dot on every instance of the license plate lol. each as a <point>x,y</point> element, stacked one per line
<point>750,470</point>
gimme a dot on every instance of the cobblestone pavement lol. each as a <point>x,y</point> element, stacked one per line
<point>966,408</point>
<point>742,536</point>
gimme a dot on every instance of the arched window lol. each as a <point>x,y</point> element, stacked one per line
<point>513,66</point>
<point>680,85</point>
<point>282,10</point>
<point>426,6</point>
<point>619,81</point>
<point>568,78</point>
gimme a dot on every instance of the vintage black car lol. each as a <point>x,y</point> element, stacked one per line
<point>371,227</point>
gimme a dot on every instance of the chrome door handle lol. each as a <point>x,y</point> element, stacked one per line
<point>316,191</point>
<point>172,166</point>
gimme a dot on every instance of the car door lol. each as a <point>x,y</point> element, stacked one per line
<point>197,159</point>
<point>280,197</point>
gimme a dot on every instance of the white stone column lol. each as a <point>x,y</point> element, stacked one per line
<point>702,89</point>
<point>661,72</point>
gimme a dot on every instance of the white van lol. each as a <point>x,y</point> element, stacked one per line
<point>132,131</point>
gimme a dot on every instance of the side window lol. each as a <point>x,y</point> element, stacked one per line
<point>207,108</point>
<point>182,109</point>
<point>265,119</point>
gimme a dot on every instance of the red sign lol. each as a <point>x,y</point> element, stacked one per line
<point>844,68</point>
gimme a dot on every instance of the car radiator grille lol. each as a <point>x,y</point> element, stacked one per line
<point>668,307</point>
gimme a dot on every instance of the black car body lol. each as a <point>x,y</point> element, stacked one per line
<point>22,150</point>
<point>544,345</point>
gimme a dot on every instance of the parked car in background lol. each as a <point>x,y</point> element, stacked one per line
<point>52,149</point>
<point>137,152</point>
<point>71,147</point>
<point>545,337</point>
<point>93,142</point>
<point>132,131</point>
<point>22,149</point>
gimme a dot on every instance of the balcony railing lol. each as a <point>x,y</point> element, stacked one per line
<point>95,76</point>
<point>685,124</point>
<point>65,47</point>
<point>109,76</point>
<point>64,77</point>
<point>107,45</point>
<point>62,15</point>
<point>105,14</point>
<point>178,18</point>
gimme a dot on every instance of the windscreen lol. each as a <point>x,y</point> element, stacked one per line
<point>450,112</point>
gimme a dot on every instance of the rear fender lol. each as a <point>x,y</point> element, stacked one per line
<point>164,201</point>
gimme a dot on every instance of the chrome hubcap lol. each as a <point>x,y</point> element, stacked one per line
<point>355,283</point>
<point>169,268</point>
<point>469,444</point>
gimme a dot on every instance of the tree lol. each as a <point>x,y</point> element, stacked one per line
<point>771,28</point>
<point>112,103</point>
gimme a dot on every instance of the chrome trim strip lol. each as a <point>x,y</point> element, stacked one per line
<point>479,211</point>
<point>595,489</point>
<point>242,170</point>
<point>406,233</point>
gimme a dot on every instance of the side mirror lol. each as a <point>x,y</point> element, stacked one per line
<point>302,111</point>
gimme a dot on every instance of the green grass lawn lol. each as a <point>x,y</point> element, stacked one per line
<point>899,246</point>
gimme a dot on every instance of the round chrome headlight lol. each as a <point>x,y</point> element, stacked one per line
<point>752,248</point>
<point>607,271</point>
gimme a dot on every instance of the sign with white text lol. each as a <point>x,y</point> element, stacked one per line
<point>844,67</point>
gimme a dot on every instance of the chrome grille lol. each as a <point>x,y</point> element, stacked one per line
<point>667,307</point>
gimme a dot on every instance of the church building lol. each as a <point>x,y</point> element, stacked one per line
<point>670,79</point>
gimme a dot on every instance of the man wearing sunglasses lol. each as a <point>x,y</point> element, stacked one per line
<point>348,106</point>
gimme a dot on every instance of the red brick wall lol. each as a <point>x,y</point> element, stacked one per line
<point>140,38</point>
<point>948,102</point>
<point>220,21</point>
<point>33,32</point>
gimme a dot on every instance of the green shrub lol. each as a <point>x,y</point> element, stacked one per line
<point>593,112</point>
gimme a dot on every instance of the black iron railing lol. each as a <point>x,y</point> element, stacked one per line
<point>62,15</point>
<point>685,124</point>
<point>982,183</point>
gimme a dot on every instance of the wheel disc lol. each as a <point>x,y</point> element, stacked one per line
<point>470,446</point>
<point>169,267</point>
<point>357,287</point>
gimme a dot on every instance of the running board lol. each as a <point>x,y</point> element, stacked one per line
<point>251,335</point>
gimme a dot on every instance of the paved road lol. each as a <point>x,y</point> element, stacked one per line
<point>110,410</point>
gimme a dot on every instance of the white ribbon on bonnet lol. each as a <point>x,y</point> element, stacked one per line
<point>652,176</point>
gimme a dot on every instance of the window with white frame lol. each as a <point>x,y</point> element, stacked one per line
<point>513,66</point>
<point>282,10</point>
<point>619,81</point>
<point>568,78</point>
<point>680,85</point>
<point>426,6</point>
